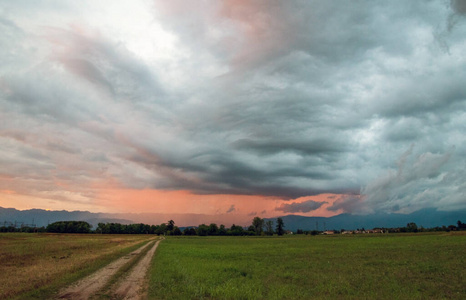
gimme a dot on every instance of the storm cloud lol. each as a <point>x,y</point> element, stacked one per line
<point>283,99</point>
<point>305,206</point>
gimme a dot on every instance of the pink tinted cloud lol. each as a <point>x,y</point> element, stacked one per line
<point>180,201</point>
<point>303,206</point>
<point>78,49</point>
<point>247,33</point>
<point>263,28</point>
<point>189,207</point>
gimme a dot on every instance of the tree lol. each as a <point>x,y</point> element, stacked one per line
<point>176,231</point>
<point>100,228</point>
<point>170,225</point>
<point>222,230</point>
<point>235,230</point>
<point>161,229</point>
<point>258,225</point>
<point>461,225</point>
<point>83,227</point>
<point>451,228</point>
<point>411,227</point>
<point>213,229</point>
<point>269,227</point>
<point>69,227</point>
<point>203,230</point>
<point>189,231</point>
<point>280,226</point>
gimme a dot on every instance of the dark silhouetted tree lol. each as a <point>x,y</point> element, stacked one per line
<point>411,227</point>
<point>69,227</point>
<point>235,230</point>
<point>280,226</point>
<point>222,230</point>
<point>203,230</point>
<point>461,226</point>
<point>213,229</point>
<point>258,225</point>
<point>161,229</point>
<point>189,231</point>
<point>176,231</point>
<point>170,225</point>
<point>269,227</point>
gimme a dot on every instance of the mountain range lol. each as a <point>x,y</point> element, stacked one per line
<point>427,218</point>
<point>40,217</point>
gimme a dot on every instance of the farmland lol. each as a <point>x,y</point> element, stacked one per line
<point>37,265</point>
<point>400,266</point>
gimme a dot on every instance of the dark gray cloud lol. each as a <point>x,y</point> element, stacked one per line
<point>231,209</point>
<point>348,203</point>
<point>273,98</point>
<point>459,6</point>
<point>420,181</point>
<point>300,207</point>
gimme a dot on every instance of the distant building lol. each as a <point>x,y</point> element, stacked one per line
<point>328,232</point>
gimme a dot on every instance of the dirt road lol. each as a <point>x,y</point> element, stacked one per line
<point>130,285</point>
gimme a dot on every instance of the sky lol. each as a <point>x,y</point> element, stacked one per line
<point>233,109</point>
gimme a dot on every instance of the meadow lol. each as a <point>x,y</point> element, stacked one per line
<point>390,266</point>
<point>34,266</point>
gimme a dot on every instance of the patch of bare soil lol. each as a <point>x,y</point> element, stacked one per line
<point>89,286</point>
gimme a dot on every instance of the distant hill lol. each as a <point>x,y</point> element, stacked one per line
<point>41,217</point>
<point>427,218</point>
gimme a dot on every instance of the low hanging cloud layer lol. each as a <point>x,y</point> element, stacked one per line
<point>305,206</point>
<point>280,99</point>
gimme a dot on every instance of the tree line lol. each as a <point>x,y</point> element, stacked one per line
<point>412,227</point>
<point>258,227</point>
<point>409,228</point>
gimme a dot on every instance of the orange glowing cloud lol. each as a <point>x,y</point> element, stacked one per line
<point>156,206</point>
<point>154,201</point>
<point>8,192</point>
<point>228,207</point>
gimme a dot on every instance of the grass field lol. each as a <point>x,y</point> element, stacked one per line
<point>417,266</point>
<point>37,265</point>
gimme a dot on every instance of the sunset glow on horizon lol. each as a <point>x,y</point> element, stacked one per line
<point>226,110</point>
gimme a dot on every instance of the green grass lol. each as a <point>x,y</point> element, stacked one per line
<point>34,266</point>
<point>421,266</point>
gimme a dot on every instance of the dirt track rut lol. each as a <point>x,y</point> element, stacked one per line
<point>132,286</point>
<point>129,286</point>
